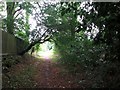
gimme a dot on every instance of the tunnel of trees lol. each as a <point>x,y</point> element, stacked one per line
<point>85,34</point>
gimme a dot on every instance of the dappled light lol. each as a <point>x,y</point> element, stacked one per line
<point>60,44</point>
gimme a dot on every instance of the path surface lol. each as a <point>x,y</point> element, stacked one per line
<point>50,75</point>
<point>41,73</point>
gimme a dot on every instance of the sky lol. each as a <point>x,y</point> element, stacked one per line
<point>32,21</point>
<point>3,14</point>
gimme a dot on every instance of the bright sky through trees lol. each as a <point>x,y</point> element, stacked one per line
<point>46,50</point>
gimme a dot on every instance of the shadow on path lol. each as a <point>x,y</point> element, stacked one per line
<point>39,73</point>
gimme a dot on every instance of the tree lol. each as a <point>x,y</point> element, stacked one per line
<point>15,19</point>
<point>16,24</point>
<point>41,33</point>
<point>102,17</point>
<point>10,17</point>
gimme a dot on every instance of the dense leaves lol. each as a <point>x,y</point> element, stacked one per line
<point>104,50</point>
<point>85,34</point>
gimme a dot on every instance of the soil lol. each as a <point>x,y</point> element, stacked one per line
<point>47,74</point>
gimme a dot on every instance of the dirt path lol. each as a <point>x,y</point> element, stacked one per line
<point>49,75</point>
<point>40,73</point>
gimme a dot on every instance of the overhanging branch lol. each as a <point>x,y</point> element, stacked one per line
<point>46,38</point>
<point>17,11</point>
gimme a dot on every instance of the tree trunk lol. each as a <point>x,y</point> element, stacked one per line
<point>10,17</point>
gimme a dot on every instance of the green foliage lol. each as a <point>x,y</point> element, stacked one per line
<point>73,26</point>
<point>17,22</point>
<point>23,79</point>
<point>96,15</point>
<point>37,47</point>
<point>79,52</point>
<point>97,53</point>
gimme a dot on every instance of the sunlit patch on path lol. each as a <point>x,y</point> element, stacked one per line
<point>46,55</point>
<point>46,51</point>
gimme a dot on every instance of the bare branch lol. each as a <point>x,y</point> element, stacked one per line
<point>38,5</point>
<point>17,10</point>
<point>17,15</point>
<point>35,42</point>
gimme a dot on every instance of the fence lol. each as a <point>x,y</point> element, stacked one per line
<point>11,44</point>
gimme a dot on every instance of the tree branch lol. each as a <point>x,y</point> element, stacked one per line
<point>17,10</point>
<point>35,42</point>
<point>17,15</point>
